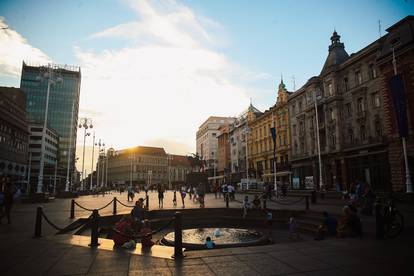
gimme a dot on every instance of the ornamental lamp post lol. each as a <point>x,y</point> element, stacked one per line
<point>85,123</point>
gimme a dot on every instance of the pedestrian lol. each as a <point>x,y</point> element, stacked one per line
<point>175,198</point>
<point>8,192</point>
<point>183,194</point>
<point>269,221</point>
<point>123,231</point>
<point>146,235</point>
<point>190,192</point>
<point>293,227</point>
<point>246,206</point>
<point>232,191</point>
<point>194,195</point>
<point>225,190</point>
<point>130,194</point>
<point>257,203</point>
<point>328,227</point>
<point>138,213</point>
<point>160,196</point>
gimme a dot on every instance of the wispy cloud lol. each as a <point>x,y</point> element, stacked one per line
<point>167,82</point>
<point>14,48</point>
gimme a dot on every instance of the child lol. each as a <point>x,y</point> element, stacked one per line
<point>269,221</point>
<point>293,231</point>
<point>146,234</point>
<point>209,243</point>
<point>175,198</point>
<point>246,206</point>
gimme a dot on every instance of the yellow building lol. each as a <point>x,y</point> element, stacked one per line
<point>260,142</point>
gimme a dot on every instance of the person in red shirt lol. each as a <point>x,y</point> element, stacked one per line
<point>123,231</point>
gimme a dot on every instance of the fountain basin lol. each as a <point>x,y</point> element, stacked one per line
<point>229,237</point>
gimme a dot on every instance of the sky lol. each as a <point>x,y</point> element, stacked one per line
<point>153,71</point>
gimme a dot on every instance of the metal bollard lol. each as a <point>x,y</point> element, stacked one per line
<point>147,202</point>
<point>379,221</point>
<point>114,209</point>
<point>307,202</point>
<point>227,200</point>
<point>178,238</point>
<point>38,225</point>
<point>72,209</point>
<point>94,228</point>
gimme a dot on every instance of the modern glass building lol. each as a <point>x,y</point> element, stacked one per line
<point>63,101</point>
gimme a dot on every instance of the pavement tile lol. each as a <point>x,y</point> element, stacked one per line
<point>330,272</point>
<point>185,262</point>
<point>220,259</point>
<point>299,261</point>
<point>260,257</point>
<point>270,266</point>
<point>193,270</point>
<point>232,268</point>
<point>74,261</point>
<point>143,262</point>
<point>109,262</point>
<point>162,271</point>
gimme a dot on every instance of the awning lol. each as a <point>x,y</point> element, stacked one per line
<point>278,173</point>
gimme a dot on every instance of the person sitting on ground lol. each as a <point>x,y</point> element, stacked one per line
<point>349,225</point>
<point>256,202</point>
<point>328,227</point>
<point>293,227</point>
<point>209,243</point>
<point>246,206</point>
<point>146,234</point>
<point>138,212</point>
<point>123,231</point>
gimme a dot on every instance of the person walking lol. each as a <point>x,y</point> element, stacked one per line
<point>8,201</point>
<point>183,194</point>
<point>175,198</point>
<point>130,193</point>
<point>160,196</point>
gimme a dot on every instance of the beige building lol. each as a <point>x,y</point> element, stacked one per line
<point>261,151</point>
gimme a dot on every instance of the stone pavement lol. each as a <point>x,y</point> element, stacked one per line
<point>20,254</point>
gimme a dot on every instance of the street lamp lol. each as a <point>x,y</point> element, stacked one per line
<point>169,158</point>
<point>98,163</point>
<point>93,152</point>
<point>84,123</point>
<point>69,150</point>
<point>48,75</point>
<point>316,98</point>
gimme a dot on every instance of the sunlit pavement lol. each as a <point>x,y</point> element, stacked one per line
<point>20,254</point>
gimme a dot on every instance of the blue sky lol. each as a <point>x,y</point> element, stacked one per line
<point>174,63</point>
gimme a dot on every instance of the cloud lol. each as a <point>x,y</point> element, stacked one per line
<point>166,83</point>
<point>14,48</point>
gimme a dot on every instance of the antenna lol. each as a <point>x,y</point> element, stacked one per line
<point>379,28</point>
<point>294,82</point>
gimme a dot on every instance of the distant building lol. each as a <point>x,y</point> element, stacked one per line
<point>63,101</point>
<point>14,135</point>
<point>206,140</point>
<point>144,165</point>
<point>50,156</point>
<point>261,151</point>
<point>179,167</point>
<point>223,151</point>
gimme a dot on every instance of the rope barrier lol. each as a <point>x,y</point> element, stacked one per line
<point>59,228</point>
<point>128,206</point>
<point>91,210</point>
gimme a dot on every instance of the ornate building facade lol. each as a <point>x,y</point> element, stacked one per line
<point>260,142</point>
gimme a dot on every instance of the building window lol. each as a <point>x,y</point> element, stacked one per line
<point>293,109</point>
<point>294,130</point>
<point>333,139</point>
<point>346,84</point>
<point>300,105</point>
<point>360,105</point>
<point>358,77</point>
<point>330,89</point>
<point>375,100</point>
<point>331,114</point>
<point>378,129</point>
<point>372,71</point>
<point>363,133</point>
<point>349,109</point>
<point>351,135</point>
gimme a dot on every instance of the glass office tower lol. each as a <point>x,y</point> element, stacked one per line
<point>63,100</point>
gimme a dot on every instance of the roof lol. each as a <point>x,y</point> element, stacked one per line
<point>180,160</point>
<point>337,53</point>
<point>144,150</point>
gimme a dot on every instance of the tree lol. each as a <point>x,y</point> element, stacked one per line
<point>195,162</point>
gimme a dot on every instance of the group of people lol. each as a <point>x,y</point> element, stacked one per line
<point>133,227</point>
<point>196,194</point>
<point>349,224</point>
<point>226,190</point>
